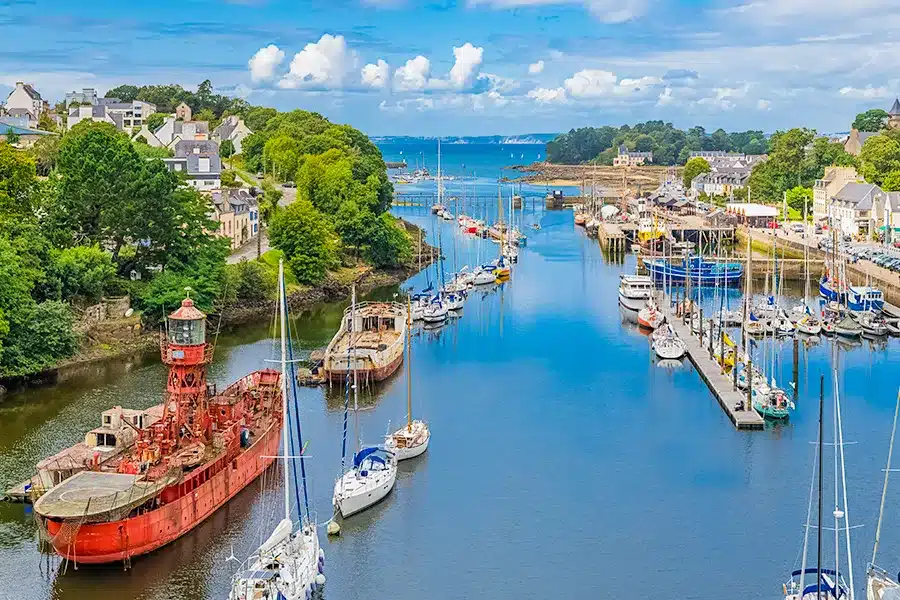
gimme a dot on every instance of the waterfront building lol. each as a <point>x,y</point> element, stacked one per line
<point>752,214</point>
<point>237,213</point>
<point>720,183</point>
<point>834,179</point>
<point>630,158</point>
<point>851,210</point>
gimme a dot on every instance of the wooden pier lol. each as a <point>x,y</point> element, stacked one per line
<point>720,384</point>
<point>611,237</point>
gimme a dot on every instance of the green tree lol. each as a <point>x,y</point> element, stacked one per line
<point>389,245</point>
<point>125,93</point>
<point>252,281</point>
<point>146,151</point>
<point>45,123</point>
<point>307,239</point>
<point>226,149</point>
<point>155,121</point>
<point>229,179</point>
<point>879,156</point>
<point>282,154</point>
<point>85,272</point>
<point>891,181</point>
<point>799,197</point>
<point>45,153</point>
<point>17,183</point>
<point>871,120</point>
<point>258,117</point>
<point>694,167</point>
<point>12,138</point>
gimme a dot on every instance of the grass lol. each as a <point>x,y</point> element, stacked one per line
<point>271,258</point>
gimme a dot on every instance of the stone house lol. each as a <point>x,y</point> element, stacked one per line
<point>199,161</point>
<point>25,101</point>
<point>834,179</point>
<point>237,213</point>
<point>628,158</point>
<point>232,128</point>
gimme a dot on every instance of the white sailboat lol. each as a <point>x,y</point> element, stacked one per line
<point>373,473</point>
<point>412,439</point>
<point>879,584</point>
<point>289,565</point>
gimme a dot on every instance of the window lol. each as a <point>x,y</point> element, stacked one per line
<point>204,164</point>
<point>107,420</point>
<point>177,166</point>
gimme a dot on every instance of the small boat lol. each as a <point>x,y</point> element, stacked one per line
<point>808,325</point>
<point>649,317</point>
<point>536,226</point>
<point>485,275</point>
<point>580,219</point>
<point>872,324</point>
<point>771,402</point>
<point>828,327</point>
<point>289,564</point>
<point>755,325</point>
<point>848,328</point>
<point>453,300</point>
<point>436,311</point>
<point>634,291</point>
<point>669,346</point>
<point>782,324</point>
<point>864,298</point>
<point>411,440</point>
<point>510,253</point>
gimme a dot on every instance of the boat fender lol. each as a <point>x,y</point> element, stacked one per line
<point>784,588</point>
<point>321,555</point>
<point>321,568</point>
<point>320,579</point>
<point>334,528</point>
<point>307,593</point>
<point>245,438</point>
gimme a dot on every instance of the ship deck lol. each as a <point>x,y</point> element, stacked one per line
<point>90,494</point>
<point>371,340</point>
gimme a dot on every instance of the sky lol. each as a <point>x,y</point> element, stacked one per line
<point>479,67</point>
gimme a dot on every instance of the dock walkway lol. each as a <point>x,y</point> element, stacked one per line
<point>721,385</point>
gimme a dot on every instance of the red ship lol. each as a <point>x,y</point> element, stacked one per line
<point>205,449</point>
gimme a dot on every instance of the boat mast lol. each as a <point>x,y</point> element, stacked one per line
<point>355,373</point>
<point>408,366</point>
<point>500,219</point>
<point>887,471</point>
<point>821,474</point>
<point>285,431</point>
<point>846,512</point>
<point>812,484</point>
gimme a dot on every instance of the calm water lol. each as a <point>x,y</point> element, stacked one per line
<point>563,459</point>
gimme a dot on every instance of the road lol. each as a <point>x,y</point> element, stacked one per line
<point>249,250</point>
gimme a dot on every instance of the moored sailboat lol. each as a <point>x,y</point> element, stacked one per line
<point>412,439</point>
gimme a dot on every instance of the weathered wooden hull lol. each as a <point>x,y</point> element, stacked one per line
<point>371,373</point>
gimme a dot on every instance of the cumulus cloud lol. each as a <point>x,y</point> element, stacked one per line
<point>535,68</point>
<point>763,104</point>
<point>594,83</point>
<point>665,97</point>
<point>264,62</point>
<point>606,11</point>
<point>413,75</point>
<point>548,95</point>
<point>725,97</point>
<point>325,63</point>
<point>468,59</point>
<point>866,93</point>
<point>376,75</point>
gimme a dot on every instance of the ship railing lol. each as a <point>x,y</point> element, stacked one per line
<point>169,356</point>
<point>361,305</point>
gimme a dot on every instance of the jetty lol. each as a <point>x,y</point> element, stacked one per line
<point>720,384</point>
<point>611,237</point>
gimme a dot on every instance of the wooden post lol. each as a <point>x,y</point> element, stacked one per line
<point>700,320</point>
<point>710,336</point>
<point>734,372</point>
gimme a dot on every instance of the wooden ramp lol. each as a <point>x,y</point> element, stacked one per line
<point>720,384</point>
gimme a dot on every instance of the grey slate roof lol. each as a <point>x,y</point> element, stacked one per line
<point>225,128</point>
<point>32,93</point>
<point>858,194</point>
<point>893,198</point>
<point>895,109</point>
<point>193,165</point>
<point>19,112</point>
<point>206,147</point>
<point>200,127</point>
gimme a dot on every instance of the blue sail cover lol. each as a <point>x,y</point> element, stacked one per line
<point>371,453</point>
<point>753,317</point>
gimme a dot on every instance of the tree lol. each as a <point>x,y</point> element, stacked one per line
<point>871,120</point>
<point>229,179</point>
<point>45,153</point>
<point>45,123</point>
<point>125,93</point>
<point>799,197</point>
<point>146,151</point>
<point>12,138</point>
<point>389,246</point>
<point>252,280</point>
<point>879,156</point>
<point>891,181</point>
<point>226,149</point>
<point>258,117</point>
<point>85,272</point>
<point>155,121</point>
<point>282,153</point>
<point>307,239</point>
<point>17,183</point>
<point>694,167</point>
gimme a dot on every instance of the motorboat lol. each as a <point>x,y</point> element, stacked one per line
<point>649,316</point>
<point>367,482</point>
<point>848,328</point>
<point>634,291</point>
<point>872,324</point>
<point>453,300</point>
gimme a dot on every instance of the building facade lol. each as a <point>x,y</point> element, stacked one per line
<point>237,213</point>
<point>232,128</point>
<point>25,101</point>
<point>824,189</point>
<point>628,158</point>
<point>85,96</point>
<point>199,161</point>
<point>852,209</point>
<point>126,116</point>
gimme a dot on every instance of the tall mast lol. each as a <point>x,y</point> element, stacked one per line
<point>821,472</point>
<point>355,373</point>
<point>846,511</point>
<point>887,471</point>
<point>500,218</point>
<point>439,179</point>
<point>285,431</point>
<point>408,366</point>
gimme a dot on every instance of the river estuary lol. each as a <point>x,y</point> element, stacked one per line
<point>564,462</point>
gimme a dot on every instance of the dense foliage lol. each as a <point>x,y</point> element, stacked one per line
<point>669,145</point>
<point>167,97</point>
<point>871,120</point>
<point>694,167</point>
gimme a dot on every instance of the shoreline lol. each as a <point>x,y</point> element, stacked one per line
<point>144,341</point>
<point>614,179</point>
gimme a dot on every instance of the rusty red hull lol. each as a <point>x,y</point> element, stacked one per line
<point>377,374</point>
<point>120,540</point>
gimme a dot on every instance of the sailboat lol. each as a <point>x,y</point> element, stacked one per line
<point>289,565</point>
<point>879,584</point>
<point>412,439</point>
<point>373,473</point>
<point>827,583</point>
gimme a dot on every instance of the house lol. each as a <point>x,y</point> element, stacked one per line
<point>237,214</point>
<point>752,214</point>
<point>124,115</point>
<point>232,128</point>
<point>708,154</point>
<point>27,135</point>
<point>628,158</point>
<point>85,96</point>
<point>890,216</point>
<point>25,101</point>
<point>183,112</point>
<point>852,209</point>
<point>722,182</point>
<point>199,161</point>
<point>831,183</point>
<point>857,139</point>
<point>173,131</point>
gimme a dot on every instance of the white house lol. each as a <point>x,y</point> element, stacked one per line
<point>124,115</point>
<point>173,131</point>
<point>891,216</point>
<point>25,101</point>
<point>232,128</point>
<point>834,179</point>
<point>199,160</point>
<point>720,183</point>
<point>852,209</point>
<point>85,96</point>
<point>629,158</point>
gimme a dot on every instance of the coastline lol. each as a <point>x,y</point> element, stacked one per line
<point>125,338</point>
<point>614,179</point>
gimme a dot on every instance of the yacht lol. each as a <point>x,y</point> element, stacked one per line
<point>634,291</point>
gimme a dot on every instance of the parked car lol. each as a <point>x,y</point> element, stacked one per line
<point>798,227</point>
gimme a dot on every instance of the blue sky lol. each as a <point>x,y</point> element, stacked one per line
<point>472,67</point>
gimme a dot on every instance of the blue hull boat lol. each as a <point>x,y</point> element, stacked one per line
<point>701,273</point>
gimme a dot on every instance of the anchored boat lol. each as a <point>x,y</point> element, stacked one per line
<point>378,329</point>
<point>205,448</point>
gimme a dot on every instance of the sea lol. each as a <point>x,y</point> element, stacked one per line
<point>565,460</point>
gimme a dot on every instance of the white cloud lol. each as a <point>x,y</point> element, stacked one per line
<point>665,97</point>
<point>413,75</point>
<point>606,11</point>
<point>725,98</point>
<point>866,93</point>
<point>325,63</point>
<point>641,84</point>
<point>774,11</point>
<point>264,62</point>
<point>594,83</point>
<point>376,75</point>
<point>763,104</point>
<point>548,95</point>
<point>466,66</point>
<point>535,68</point>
